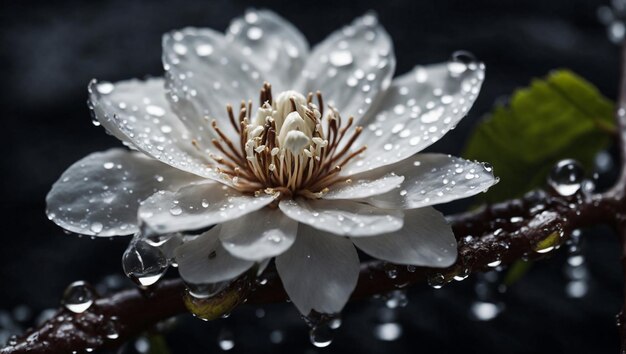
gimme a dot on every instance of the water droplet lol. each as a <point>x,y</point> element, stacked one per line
<point>96,227</point>
<point>108,165</point>
<point>436,280</point>
<point>255,33</point>
<point>78,297</point>
<point>276,336</point>
<point>226,340</point>
<point>142,345</point>
<point>110,328</point>
<point>566,177</point>
<point>176,210</point>
<point>341,58</point>
<point>155,111</point>
<point>388,331</point>
<point>204,50</point>
<point>105,87</point>
<point>321,335</point>
<point>143,263</point>
<point>485,311</point>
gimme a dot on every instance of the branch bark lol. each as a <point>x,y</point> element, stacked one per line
<point>497,235</point>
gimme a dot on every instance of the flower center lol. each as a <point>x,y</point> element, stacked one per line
<point>290,145</point>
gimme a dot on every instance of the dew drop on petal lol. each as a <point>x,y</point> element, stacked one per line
<point>341,58</point>
<point>254,33</point>
<point>105,87</point>
<point>204,50</point>
<point>176,210</point>
<point>96,227</point>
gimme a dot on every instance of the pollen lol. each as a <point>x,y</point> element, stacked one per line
<point>289,145</point>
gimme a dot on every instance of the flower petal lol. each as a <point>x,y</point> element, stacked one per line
<point>425,240</point>
<point>364,187</point>
<point>204,260</point>
<point>204,73</point>
<point>351,67</point>
<point>197,206</point>
<point>278,48</point>
<point>343,217</point>
<point>262,234</point>
<point>417,110</point>
<point>138,113</point>
<point>100,194</point>
<point>319,272</point>
<point>434,179</point>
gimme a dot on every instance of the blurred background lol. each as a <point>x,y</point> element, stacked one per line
<point>50,50</point>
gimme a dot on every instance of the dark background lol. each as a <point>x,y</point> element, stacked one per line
<point>50,50</point>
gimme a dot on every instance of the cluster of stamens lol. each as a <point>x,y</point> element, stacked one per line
<point>286,147</point>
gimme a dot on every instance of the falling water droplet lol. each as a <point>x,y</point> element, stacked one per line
<point>226,340</point>
<point>566,177</point>
<point>487,305</point>
<point>389,331</point>
<point>143,263</point>
<point>78,297</point>
<point>485,311</point>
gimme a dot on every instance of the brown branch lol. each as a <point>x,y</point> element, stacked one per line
<point>498,235</point>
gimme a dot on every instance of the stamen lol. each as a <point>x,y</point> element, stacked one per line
<point>284,149</point>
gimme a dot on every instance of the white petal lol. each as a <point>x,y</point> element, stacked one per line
<point>434,179</point>
<point>197,206</point>
<point>100,194</point>
<point>362,187</point>
<point>319,272</point>
<point>204,260</point>
<point>343,217</point>
<point>351,67</point>
<point>138,113</point>
<point>417,110</point>
<point>276,46</point>
<point>425,240</point>
<point>204,73</point>
<point>262,234</point>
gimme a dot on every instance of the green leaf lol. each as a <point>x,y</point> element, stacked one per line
<point>560,116</point>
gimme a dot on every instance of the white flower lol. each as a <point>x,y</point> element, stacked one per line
<point>325,161</point>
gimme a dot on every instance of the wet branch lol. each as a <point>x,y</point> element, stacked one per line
<point>525,228</point>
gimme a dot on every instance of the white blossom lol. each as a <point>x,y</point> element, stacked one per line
<point>325,163</point>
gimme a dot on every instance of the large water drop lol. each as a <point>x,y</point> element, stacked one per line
<point>566,177</point>
<point>78,297</point>
<point>144,264</point>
